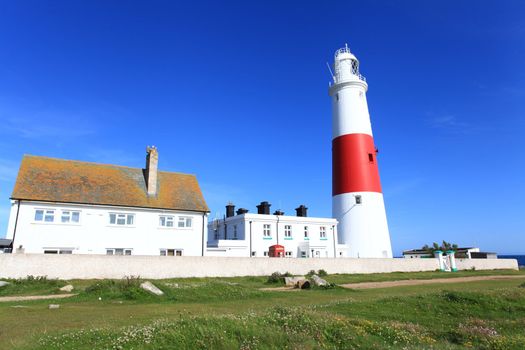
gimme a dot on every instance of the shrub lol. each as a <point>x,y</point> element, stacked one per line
<point>127,288</point>
<point>522,285</point>
<point>319,273</point>
<point>311,273</point>
<point>278,277</point>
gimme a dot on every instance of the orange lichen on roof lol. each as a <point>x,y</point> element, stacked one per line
<point>68,181</point>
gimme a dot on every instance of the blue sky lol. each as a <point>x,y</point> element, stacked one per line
<point>237,94</point>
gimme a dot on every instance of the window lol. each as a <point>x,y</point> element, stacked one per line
<point>171,252</point>
<point>46,215</point>
<point>358,199</point>
<point>58,251</point>
<point>70,216</point>
<point>288,231</point>
<point>121,219</point>
<point>306,233</point>
<point>265,253</point>
<point>184,221</point>
<point>288,254</point>
<point>253,253</point>
<point>322,232</point>
<point>267,231</point>
<point>166,221</point>
<point>216,234</point>
<point>118,251</point>
<point>337,97</point>
<point>234,231</point>
<point>370,157</point>
<point>303,254</point>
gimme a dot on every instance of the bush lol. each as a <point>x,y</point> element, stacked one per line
<point>127,288</point>
<point>310,273</point>
<point>278,277</point>
<point>522,285</point>
<point>320,273</point>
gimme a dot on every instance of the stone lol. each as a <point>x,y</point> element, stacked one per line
<point>318,281</point>
<point>67,288</point>
<point>292,281</point>
<point>53,306</point>
<point>303,284</point>
<point>150,287</point>
<point>4,283</point>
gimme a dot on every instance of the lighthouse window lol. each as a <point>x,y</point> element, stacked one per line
<point>370,157</point>
<point>358,199</point>
<point>337,97</point>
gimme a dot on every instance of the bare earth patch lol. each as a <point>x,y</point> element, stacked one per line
<point>389,284</point>
<point>35,297</point>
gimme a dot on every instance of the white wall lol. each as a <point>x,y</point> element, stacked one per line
<point>94,234</point>
<point>260,244</point>
<point>101,266</point>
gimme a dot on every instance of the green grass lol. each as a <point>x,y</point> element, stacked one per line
<point>232,313</point>
<point>31,286</point>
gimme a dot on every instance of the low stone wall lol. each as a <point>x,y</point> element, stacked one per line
<point>156,267</point>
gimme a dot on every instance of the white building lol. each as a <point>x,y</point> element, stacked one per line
<point>71,207</point>
<point>252,235</point>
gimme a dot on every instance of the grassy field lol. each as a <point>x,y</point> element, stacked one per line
<point>233,313</point>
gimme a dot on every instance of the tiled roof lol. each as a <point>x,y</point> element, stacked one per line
<point>68,181</point>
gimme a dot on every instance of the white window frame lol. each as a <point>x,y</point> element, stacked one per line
<point>184,222</point>
<point>306,233</point>
<point>176,252</point>
<point>265,253</point>
<point>61,251</point>
<point>119,251</point>
<point>287,231</point>
<point>69,214</point>
<point>267,230</point>
<point>322,232</point>
<point>46,213</point>
<point>288,254</point>
<point>167,221</point>
<point>122,216</point>
<point>234,231</point>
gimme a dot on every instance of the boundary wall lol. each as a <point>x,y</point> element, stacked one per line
<point>157,267</point>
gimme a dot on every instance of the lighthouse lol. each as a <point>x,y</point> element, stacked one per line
<point>357,199</point>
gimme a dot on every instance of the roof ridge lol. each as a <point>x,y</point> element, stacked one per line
<point>103,164</point>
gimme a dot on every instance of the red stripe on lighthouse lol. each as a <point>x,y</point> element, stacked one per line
<point>354,164</point>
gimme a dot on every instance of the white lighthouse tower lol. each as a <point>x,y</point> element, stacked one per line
<point>357,199</point>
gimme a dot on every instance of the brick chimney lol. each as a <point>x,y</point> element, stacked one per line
<point>152,162</point>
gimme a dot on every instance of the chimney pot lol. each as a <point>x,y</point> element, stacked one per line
<point>241,211</point>
<point>264,208</point>
<point>301,211</point>
<point>230,210</point>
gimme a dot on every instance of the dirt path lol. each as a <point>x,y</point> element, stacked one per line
<point>35,297</point>
<point>388,284</point>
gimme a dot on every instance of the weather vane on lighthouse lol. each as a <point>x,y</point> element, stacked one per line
<point>357,198</point>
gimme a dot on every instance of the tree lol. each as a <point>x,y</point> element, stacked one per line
<point>443,247</point>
